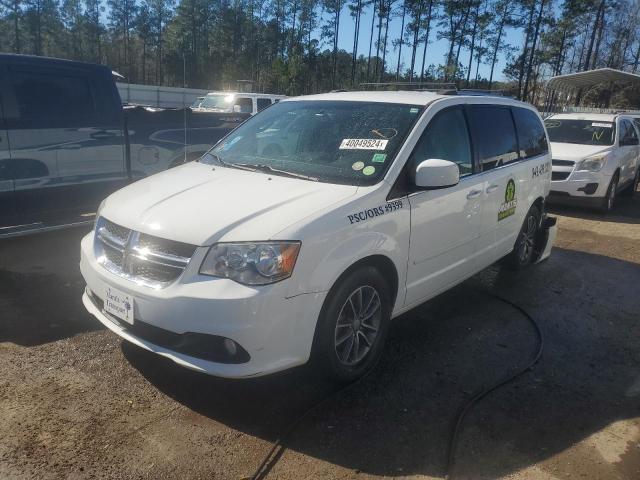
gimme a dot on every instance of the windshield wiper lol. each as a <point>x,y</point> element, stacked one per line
<point>239,166</point>
<point>270,169</point>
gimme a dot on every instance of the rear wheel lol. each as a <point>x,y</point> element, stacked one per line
<point>610,198</point>
<point>523,250</point>
<point>353,325</point>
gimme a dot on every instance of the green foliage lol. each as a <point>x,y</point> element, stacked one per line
<point>292,46</point>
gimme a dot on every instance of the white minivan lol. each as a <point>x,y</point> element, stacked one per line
<point>308,228</point>
<point>596,156</point>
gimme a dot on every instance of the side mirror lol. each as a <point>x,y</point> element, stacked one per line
<point>435,173</point>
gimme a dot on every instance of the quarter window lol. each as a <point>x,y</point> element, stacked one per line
<point>446,138</point>
<point>245,104</point>
<point>263,103</point>
<point>531,137</point>
<point>494,135</point>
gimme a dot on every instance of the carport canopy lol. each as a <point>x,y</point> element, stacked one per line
<point>573,81</point>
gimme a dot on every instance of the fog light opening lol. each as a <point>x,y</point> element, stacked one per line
<point>230,346</point>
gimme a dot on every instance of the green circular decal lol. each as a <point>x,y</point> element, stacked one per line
<point>358,166</point>
<point>369,170</point>
<point>510,192</point>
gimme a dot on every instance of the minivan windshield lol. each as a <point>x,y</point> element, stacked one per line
<point>345,142</point>
<point>218,102</point>
<point>583,132</point>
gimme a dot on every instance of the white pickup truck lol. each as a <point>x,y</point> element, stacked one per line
<point>270,251</point>
<point>228,102</point>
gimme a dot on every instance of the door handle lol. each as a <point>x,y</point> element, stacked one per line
<point>474,194</point>
<point>492,188</point>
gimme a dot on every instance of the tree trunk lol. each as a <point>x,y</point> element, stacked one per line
<point>404,12</point>
<point>16,26</point>
<point>525,48</point>
<point>593,36</point>
<point>473,43</point>
<point>463,28</point>
<point>533,50</point>
<point>600,32</point>
<point>426,40</point>
<point>373,23</point>
<point>380,17</point>
<point>416,36</point>
<point>335,42</point>
<point>384,43</point>
<point>497,47</point>
<point>356,38</point>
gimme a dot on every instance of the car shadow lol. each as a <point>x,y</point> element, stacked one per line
<point>625,211</point>
<point>41,288</point>
<point>397,421</point>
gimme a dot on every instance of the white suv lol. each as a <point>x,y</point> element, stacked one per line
<point>595,157</point>
<point>267,251</point>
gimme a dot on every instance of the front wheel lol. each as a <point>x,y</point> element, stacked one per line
<point>524,248</point>
<point>609,200</point>
<point>353,325</point>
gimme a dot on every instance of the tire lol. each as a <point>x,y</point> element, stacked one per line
<point>630,191</point>
<point>351,329</point>
<point>524,248</point>
<point>609,199</point>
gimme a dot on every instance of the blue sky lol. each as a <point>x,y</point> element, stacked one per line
<point>435,51</point>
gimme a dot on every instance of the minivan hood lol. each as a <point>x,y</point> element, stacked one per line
<point>576,151</point>
<point>200,204</point>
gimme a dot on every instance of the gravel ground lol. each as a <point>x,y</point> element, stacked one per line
<point>77,403</point>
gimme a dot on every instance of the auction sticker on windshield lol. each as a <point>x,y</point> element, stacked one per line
<point>363,144</point>
<point>119,304</point>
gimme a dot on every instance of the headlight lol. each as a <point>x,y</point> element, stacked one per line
<point>98,213</point>
<point>593,164</point>
<point>251,263</point>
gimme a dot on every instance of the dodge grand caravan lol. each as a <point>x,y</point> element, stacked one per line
<point>305,230</point>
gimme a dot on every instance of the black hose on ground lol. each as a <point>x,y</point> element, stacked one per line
<point>278,447</point>
<point>451,450</point>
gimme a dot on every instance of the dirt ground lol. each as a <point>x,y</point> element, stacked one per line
<point>77,403</point>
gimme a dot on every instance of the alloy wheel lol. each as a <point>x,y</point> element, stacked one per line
<point>358,325</point>
<point>527,239</point>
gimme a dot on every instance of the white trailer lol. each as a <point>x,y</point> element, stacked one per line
<point>156,96</point>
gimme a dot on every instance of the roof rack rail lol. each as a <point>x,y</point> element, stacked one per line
<point>482,92</point>
<point>415,86</point>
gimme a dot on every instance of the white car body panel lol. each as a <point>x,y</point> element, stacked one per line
<point>434,239</point>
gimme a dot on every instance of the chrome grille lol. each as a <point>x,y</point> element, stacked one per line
<point>142,258</point>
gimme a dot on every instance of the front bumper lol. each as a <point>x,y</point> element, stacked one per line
<point>580,188</point>
<point>276,331</point>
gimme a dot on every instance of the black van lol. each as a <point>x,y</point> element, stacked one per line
<point>66,142</point>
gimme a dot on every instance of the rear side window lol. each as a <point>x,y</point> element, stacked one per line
<point>263,103</point>
<point>47,96</point>
<point>245,104</point>
<point>628,135</point>
<point>531,137</point>
<point>446,138</point>
<point>494,135</point>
